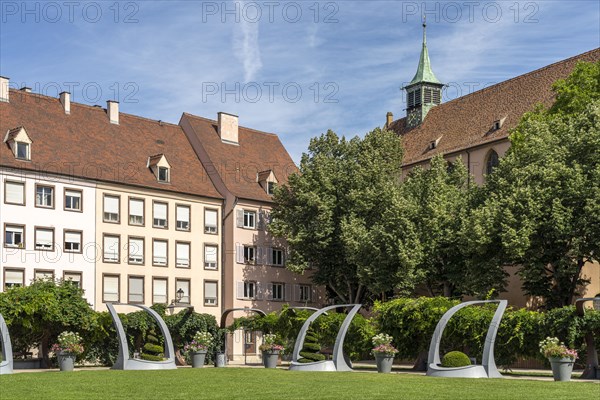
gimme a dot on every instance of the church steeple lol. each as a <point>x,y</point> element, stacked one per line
<point>425,90</point>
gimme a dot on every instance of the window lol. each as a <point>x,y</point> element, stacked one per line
<point>22,151</point>
<point>249,219</point>
<point>159,291</point>
<point>111,248</point>
<point>14,193</point>
<point>111,208</point>
<point>304,293</point>
<point>182,215</point>
<point>44,239</point>
<point>278,291</point>
<point>110,288</point>
<point>159,252</point>
<point>492,162</point>
<point>136,212</point>
<point>160,215</point>
<point>13,278</point>
<point>270,187</point>
<point>163,174</point>
<point>249,254</point>
<point>249,290</point>
<point>182,254</point>
<point>136,250</point>
<point>43,274</point>
<point>277,257</point>
<point>210,221</point>
<point>210,256</point>
<point>184,285</point>
<point>73,200</point>
<point>136,289</point>
<point>44,196</point>
<point>73,241</point>
<point>74,277</point>
<point>14,236</point>
<point>210,293</point>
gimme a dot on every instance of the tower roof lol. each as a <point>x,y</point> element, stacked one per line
<point>424,72</point>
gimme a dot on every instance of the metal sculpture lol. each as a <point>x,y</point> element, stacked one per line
<point>488,368</point>
<point>339,362</point>
<point>591,371</point>
<point>124,362</point>
<point>6,363</point>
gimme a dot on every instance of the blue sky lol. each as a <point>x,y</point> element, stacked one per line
<point>292,68</point>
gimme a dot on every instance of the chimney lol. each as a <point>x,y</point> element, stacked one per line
<point>4,89</point>
<point>65,99</point>
<point>25,89</point>
<point>389,118</point>
<point>228,127</point>
<point>112,108</point>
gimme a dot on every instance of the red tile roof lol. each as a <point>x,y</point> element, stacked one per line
<point>467,121</point>
<point>238,165</point>
<point>85,144</point>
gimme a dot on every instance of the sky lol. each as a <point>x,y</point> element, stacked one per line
<point>294,68</point>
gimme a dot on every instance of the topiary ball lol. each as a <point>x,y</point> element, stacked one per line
<point>455,359</point>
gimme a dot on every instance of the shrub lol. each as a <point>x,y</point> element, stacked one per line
<point>152,350</point>
<point>310,351</point>
<point>455,359</point>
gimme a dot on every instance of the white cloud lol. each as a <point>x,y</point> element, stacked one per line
<point>246,48</point>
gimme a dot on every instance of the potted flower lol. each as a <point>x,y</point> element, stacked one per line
<point>560,356</point>
<point>270,350</point>
<point>384,352</point>
<point>67,349</point>
<point>198,348</point>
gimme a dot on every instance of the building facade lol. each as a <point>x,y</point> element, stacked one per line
<point>475,128</point>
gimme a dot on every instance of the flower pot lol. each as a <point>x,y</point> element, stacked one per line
<point>220,360</point>
<point>270,358</point>
<point>66,361</point>
<point>561,368</point>
<point>198,358</point>
<point>384,363</point>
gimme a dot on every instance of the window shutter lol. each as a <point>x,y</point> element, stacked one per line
<point>239,253</point>
<point>160,291</point>
<point>287,292</point>
<point>258,294</point>
<point>239,218</point>
<point>13,277</point>
<point>210,290</point>
<point>111,204</point>
<point>44,237</point>
<point>210,254</point>
<point>160,211</point>
<point>111,248</point>
<point>183,213</point>
<point>269,255</point>
<point>136,289</point>
<point>259,255</point>
<point>136,207</point>
<point>261,220</point>
<point>313,294</point>
<point>240,290</point>
<point>270,292</point>
<point>111,288</point>
<point>210,218</point>
<point>72,237</point>
<point>15,193</point>
<point>182,253</point>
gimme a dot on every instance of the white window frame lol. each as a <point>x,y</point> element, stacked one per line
<point>249,219</point>
<point>274,258</point>
<point>110,216</point>
<point>211,301</point>
<point>181,224</point>
<point>27,150</point>
<point>210,227</point>
<point>10,282</point>
<point>68,276</point>
<point>161,262</point>
<point>281,287</point>
<point>249,290</point>
<point>14,184</point>
<point>130,293</point>
<point>155,295</point>
<point>304,293</point>
<point>250,251</point>
<point>186,298</point>
<point>183,262</point>
<point>15,230</point>
<point>209,263</point>
<point>78,243</point>
<point>136,219</point>
<point>166,177</point>
<point>113,258</point>
<point>44,196</point>
<point>44,245</point>
<point>135,257</point>
<point>160,222</point>
<point>104,292</point>
<point>69,194</point>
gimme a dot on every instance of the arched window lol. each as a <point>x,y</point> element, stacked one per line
<point>492,162</point>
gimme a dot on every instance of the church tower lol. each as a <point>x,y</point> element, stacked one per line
<point>424,91</point>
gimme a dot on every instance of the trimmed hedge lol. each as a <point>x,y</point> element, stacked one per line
<point>455,359</point>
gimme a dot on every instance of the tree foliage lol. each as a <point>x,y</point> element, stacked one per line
<point>342,187</point>
<point>542,202</point>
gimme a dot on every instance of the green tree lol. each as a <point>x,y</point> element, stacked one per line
<point>38,313</point>
<point>542,202</point>
<point>342,187</point>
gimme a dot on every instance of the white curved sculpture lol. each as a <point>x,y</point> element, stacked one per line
<point>6,365</point>
<point>339,362</point>
<point>124,362</point>
<point>488,368</point>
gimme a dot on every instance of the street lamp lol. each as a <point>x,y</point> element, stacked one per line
<point>175,301</point>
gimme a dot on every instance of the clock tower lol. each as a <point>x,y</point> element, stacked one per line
<point>424,91</point>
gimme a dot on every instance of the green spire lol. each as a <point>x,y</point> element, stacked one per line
<point>424,72</point>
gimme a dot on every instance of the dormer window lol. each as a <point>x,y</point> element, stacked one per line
<point>19,143</point>
<point>271,188</point>
<point>160,167</point>
<point>266,179</point>
<point>22,150</point>
<point>163,174</point>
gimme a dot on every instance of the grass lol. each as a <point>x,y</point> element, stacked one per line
<point>263,384</point>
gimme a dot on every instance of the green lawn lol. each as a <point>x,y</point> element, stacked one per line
<point>253,383</point>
